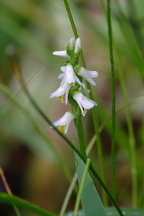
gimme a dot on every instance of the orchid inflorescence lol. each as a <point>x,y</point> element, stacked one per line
<point>72,89</point>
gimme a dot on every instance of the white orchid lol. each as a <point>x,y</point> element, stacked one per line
<point>83,102</point>
<point>88,75</point>
<point>61,91</point>
<point>64,122</point>
<point>68,75</point>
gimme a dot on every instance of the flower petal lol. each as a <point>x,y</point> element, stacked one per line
<point>62,53</point>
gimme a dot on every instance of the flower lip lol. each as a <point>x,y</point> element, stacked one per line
<point>61,91</point>
<point>83,102</point>
<point>64,122</point>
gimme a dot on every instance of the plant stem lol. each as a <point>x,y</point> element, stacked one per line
<point>94,110</point>
<point>80,131</point>
<point>81,187</point>
<point>132,142</point>
<point>113,154</point>
<point>68,195</point>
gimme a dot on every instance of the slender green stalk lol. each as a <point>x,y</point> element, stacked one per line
<point>132,142</point>
<point>113,157</point>
<point>80,132</point>
<point>68,195</point>
<point>16,210</point>
<point>94,110</point>
<point>81,187</point>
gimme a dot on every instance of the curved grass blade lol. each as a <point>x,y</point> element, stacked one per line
<point>113,154</point>
<point>81,187</point>
<point>13,200</point>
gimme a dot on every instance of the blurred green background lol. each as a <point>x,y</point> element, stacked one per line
<point>32,30</point>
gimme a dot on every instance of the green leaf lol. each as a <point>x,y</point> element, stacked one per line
<point>91,201</point>
<point>13,200</point>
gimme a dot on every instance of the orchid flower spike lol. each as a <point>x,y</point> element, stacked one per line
<point>64,122</point>
<point>88,75</point>
<point>61,91</point>
<point>68,75</point>
<point>83,102</point>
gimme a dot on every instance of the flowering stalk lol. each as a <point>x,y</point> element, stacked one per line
<point>74,90</point>
<point>94,110</point>
<point>80,132</point>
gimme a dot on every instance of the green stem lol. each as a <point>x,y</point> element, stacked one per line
<point>94,110</point>
<point>132,142</point>
<point>71,18</point>
<point>81,187</point>
<point>113,157</point>
<point>80,131</point>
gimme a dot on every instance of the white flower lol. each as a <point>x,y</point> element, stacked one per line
<point>61,91</point>
<point>64,122</point>
<point>68,75</point>
<point>62,53</point>
<point>83,102</point>
<point>88,75</point>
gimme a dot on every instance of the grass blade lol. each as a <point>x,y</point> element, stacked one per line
<point>13,200</point>
<point>113,157</point>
